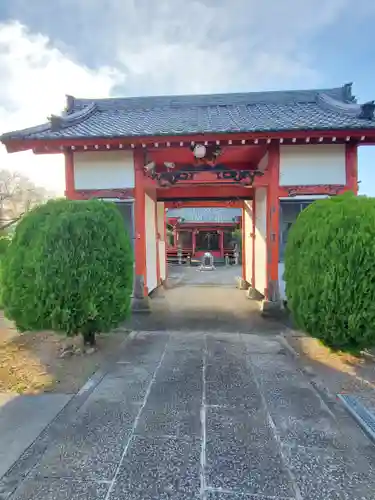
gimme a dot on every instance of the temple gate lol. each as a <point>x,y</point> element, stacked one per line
<point>247,150</point>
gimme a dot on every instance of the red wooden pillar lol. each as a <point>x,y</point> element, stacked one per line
<point>221,236</point>
<point>243,249</point>
<point>253,243</point>
<point>351,167</point>
<point>193,242</point>
<point>157,239</point>
<point>69,175</point>
<point>140,222</point>
<point>272,290</point>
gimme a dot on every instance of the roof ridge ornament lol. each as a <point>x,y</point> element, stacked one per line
<point>55,121</point>
<point>65,120</point>
<point>367,110</point>
<point>361,111</point>
<point>70,100</point>
<point>348,95</point>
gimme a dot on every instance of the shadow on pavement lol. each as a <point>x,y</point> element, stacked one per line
<point>204,308</point>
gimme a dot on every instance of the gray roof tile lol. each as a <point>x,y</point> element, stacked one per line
<point>332,109</point>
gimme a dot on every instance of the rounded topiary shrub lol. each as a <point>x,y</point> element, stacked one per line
<point>4,244</point>
<point>69,268</point>
<point>330,271</point>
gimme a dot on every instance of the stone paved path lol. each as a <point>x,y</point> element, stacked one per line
<point>191,275</point>
<point>198,416</point>
<point>204,308</point>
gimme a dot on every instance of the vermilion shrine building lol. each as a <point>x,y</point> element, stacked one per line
<point>204,229</point>
<point>247,150</point>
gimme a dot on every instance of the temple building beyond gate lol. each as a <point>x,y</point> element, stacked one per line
<point>195,231</point>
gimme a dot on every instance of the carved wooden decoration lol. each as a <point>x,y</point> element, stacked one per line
<point>87,194</point>
<point>219,176</point>
<point>322,189</point>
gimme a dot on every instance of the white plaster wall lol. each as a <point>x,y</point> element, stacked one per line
<point>104,170</point>
<point>248,240</point>
<point>150,207</point>
<point>263,163</point>
<point>162,246</point>
<point>312,164</point>
<point>162,257</point>
<point>261,239</point>
<point>281,281</point>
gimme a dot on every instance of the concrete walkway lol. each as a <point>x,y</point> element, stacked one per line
<point>198,416</point>
<point>203,301</point>
<point>22,419</point>
<point>191,275</point>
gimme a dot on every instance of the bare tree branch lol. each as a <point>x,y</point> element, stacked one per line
<point>18,195</point>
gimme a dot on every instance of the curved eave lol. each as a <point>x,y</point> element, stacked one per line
<point>68,119</point>
<point>47,146</point>
<point>55,122</point>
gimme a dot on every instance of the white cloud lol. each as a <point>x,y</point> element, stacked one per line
<point>35,78</point>
<point>179,68</point>
<point>176,47</point>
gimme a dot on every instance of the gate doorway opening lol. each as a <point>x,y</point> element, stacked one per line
<point>169,240</point>
<point>204,244</point>
<point>194,231</point>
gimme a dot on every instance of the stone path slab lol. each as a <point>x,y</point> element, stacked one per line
<point>196,308</point>
<point>209,416</point>
<point>22,419</point>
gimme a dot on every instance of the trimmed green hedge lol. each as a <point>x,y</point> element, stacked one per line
<point>330,271</point>
<point>69,268</point>
<point>4,244</point>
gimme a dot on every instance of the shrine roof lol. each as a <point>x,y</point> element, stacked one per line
<point>273,111</point>
<point>215,215</point>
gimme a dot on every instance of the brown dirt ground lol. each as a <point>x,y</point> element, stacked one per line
<point>30,362</point>
<point>340,372</point>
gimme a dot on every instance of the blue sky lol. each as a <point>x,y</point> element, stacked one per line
<point>142,47</point>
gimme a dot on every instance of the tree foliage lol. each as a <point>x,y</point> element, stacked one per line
<point>330,271</point>
<point>69,268</point>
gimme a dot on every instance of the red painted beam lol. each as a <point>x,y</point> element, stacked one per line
<point>240,156</point>
<point>204,193</point>
<point>14,145</point>
<point>204,204</point>
<point>206,225</point>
